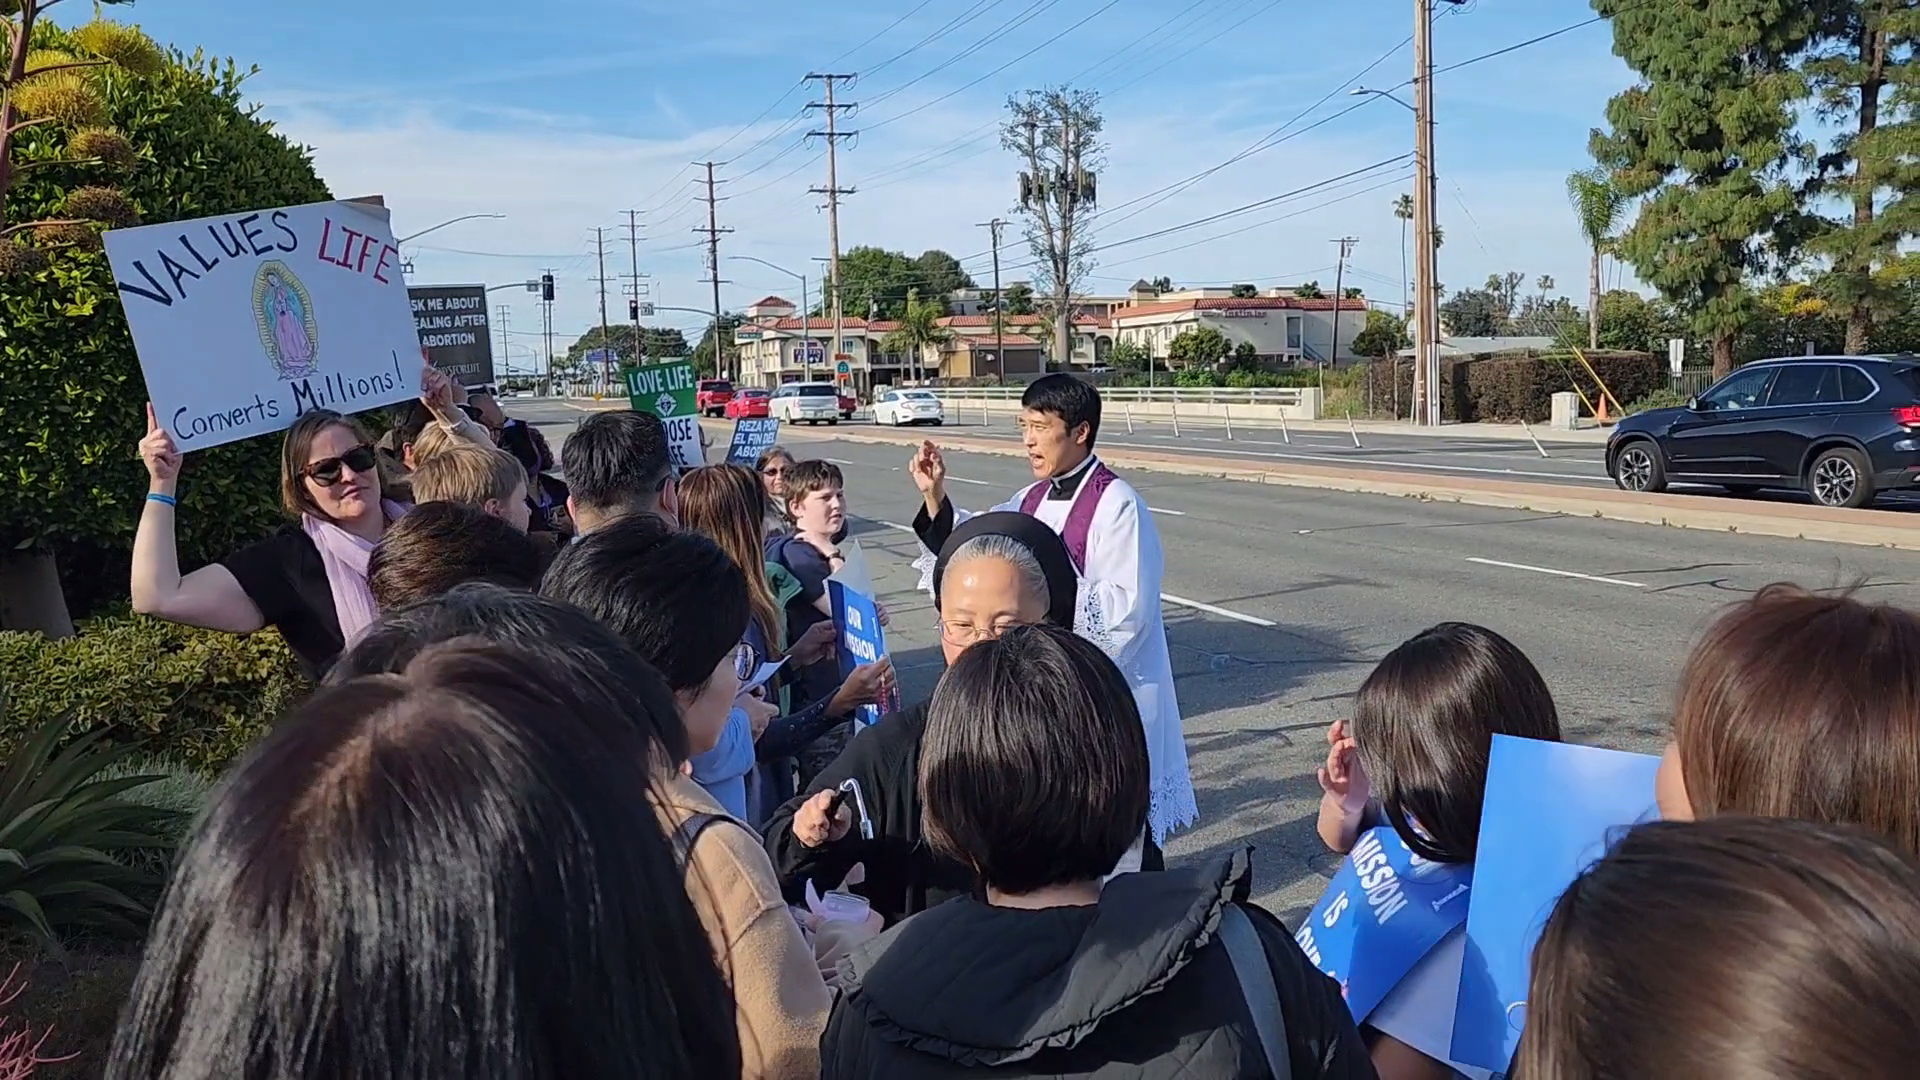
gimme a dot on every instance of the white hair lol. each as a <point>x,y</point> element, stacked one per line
<point>1005,548</point>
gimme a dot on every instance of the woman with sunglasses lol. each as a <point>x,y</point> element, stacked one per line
<point>773,466</point>
<point>309,578</point>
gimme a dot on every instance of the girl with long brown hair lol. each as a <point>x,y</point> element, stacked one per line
<point>727,503</point>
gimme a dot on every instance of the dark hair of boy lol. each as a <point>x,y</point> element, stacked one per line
<point>1073,401</point>
<point>618,461</point>
<point>1425,721</point>
<point>424,874</point>
<point>1033,769</point>
<point>674,597</point>
<point>439,545</point>
<point>1759,948</point>
<point>806,477</point>
<point>555,636</point>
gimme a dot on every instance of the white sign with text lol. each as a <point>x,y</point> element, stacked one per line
<point>245,321</point>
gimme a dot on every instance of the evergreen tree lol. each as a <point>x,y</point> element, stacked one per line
<point>1706,139</point>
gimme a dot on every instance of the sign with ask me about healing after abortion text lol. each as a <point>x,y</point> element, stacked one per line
<point>245,321</point>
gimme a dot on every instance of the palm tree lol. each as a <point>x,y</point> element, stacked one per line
<point>919,327</point>
<point>1403,209</point>
<point>1599,205</point>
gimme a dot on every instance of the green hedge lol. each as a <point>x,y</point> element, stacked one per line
<point>197,697</point>
<point>1508,387</point>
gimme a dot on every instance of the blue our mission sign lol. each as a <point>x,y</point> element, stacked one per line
<point>862,640</point>
<point>1384,911</point>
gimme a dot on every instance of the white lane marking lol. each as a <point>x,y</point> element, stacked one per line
<point>1175,513</point>
<point>839,461</point>
<point>1182,601</point>
<point>964,480</point>
<point>1558,573</point>
<point>1324,459</point>
<point>896,526</point>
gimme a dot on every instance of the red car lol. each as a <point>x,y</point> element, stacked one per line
<point>748,405</point>
<point>711,396</point>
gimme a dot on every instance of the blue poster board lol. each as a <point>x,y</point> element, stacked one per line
<point>1551,810</point>
<point>862,641</point>
<point>751,438</point>
<point>1383,911</point>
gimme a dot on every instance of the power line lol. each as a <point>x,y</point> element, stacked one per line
<point>917,8</point>
<point>1027,15</point>
<point>979,7</point>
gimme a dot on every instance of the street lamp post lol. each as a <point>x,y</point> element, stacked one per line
<point>806,316</point>
<point>444,224</point>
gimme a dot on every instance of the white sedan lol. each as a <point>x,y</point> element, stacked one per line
<point>898,407</point>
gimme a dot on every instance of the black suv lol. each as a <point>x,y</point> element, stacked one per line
<point>1843,428</point>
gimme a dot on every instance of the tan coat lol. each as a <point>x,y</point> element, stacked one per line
<point>780,1001</point>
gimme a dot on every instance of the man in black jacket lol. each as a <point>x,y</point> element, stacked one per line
<point>995,572</point>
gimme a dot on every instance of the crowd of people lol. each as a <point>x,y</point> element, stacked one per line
<point>583,792</point>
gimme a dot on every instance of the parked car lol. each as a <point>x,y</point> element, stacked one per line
<point>1842,428</point>
<point>810,402</point>
<point>748,405</point>
<point>711,396</point>
<point>847,404</point>
<point>898,407</point>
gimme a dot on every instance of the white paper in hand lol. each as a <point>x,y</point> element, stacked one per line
<point>853,572</point>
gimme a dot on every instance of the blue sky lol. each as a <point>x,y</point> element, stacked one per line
<point>563,116</point>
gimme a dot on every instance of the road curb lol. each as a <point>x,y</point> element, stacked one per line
<point>1867,528</point>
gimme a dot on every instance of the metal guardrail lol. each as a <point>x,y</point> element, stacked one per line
<point>1140,395</point>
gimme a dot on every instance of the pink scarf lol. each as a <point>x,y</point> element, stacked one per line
<point>345,557</point>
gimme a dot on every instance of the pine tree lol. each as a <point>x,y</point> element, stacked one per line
<point>1861,69</point>
<point>1706,139</point>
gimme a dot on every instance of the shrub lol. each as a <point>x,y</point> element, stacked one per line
<point>71,390</point>
<point>65,836</point>
<point>1521,386</point>
<point>197,697</point>
<point>1664,398</point>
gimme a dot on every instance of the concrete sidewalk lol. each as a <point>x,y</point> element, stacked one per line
<point>1874,528</point>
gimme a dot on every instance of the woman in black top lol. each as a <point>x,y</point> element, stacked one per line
<point>996,571</point>
<point>308,579</point>
<point>1034,771</point>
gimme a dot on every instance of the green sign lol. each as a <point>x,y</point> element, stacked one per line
<point>667,391</point>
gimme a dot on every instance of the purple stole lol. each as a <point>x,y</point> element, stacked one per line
<point>1080,518</point>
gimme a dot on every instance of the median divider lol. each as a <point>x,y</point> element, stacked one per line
<point>1872,528</point>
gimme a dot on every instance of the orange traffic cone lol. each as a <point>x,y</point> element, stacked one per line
<point>1603,409</point>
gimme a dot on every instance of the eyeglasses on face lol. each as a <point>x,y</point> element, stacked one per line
<point>959,633</point>
<point>774,470</point>
<point>328,471</point>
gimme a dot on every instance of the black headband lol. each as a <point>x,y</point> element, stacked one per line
<point>1063,584</point>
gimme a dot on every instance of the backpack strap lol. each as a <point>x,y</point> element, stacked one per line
<point>686,833</point>
<point>1255,975</point>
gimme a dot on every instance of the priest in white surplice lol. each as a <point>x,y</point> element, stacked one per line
<point>1111,536</point>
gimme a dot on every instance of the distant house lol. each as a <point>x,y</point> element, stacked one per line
<point>1284,329</point>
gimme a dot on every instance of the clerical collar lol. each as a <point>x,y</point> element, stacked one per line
<point>1063,488</point>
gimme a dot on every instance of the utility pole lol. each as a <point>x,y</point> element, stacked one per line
<point>833,191</point>
<point>600,248</point>
<point>999,303</point>
<point>1339,297</point>
<point>634,289</point>
<point>1426,265</point>
<point>714,232</point>
<point>504,314</point>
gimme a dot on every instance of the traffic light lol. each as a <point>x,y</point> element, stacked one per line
<point>633,310</point>
<point>546,287</point>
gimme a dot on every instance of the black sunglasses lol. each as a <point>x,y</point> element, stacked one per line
<point>327,471</point>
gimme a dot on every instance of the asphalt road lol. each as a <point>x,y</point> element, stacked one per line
<point>1280,600</point>
<point>1576,464</point>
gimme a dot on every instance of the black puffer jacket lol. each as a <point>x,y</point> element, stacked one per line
<point>1135,986</point>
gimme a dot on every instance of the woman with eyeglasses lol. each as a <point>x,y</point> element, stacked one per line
<point>309,578</point>
<point>680,602</point>
<point>772,467</point>
<point>995,572</point>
